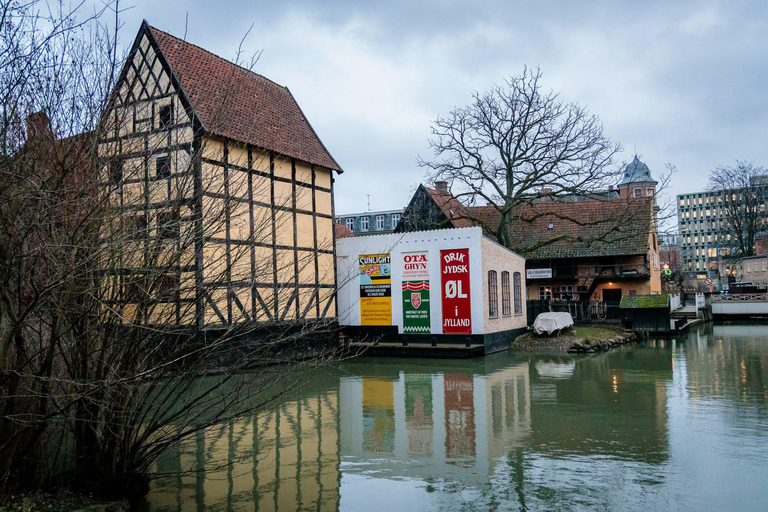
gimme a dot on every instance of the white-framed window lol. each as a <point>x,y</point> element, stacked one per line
<point>545,292</point>
<point>379,222</point>
<point>395,220</point>
<point>649,192</point>
<point>566,292</point>
<point>350,223</point>
<point>638,192</point>
<point>364,223</point>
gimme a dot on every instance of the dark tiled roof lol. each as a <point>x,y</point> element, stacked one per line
<point>582,229</point>
<point>637,172</point>
<point>236,103</point>
<point>341,231</point>
<point>451,207</point>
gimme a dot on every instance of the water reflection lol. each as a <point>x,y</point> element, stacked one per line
<point>281,459</point>
<point>620,430</point>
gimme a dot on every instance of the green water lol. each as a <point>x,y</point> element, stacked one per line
<point>667,425</point>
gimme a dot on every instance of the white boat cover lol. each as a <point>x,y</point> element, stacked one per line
<point>551,322</point>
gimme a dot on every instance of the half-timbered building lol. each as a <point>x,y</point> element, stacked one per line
<point>224,193</point>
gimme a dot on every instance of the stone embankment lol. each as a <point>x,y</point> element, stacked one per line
<point>601,345</point>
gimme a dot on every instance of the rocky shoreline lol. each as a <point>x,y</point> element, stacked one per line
<point>576,340</point>
<point>592,346</point>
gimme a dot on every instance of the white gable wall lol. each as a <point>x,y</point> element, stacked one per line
<point>349,249</point>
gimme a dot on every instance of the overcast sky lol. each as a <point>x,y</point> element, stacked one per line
<point>683,82</point>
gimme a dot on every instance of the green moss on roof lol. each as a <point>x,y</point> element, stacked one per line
<point>644,301</point>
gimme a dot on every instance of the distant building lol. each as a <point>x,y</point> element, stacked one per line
<point>755,270</point>
<point>669,239</point>
<point>597,247</point>
<point>705,237</point>
<point>371,222</point>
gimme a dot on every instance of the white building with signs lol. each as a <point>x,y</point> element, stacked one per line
<point>434,291</point>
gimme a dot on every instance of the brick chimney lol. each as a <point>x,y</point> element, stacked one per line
<point>442,187</point>
<point>38,126</point>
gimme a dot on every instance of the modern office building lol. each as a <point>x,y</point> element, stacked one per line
<point>705,236</point>
<point>371,222</point>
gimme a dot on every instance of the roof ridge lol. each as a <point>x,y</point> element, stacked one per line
<point>216,56</point>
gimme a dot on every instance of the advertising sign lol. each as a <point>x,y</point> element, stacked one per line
<point>416,319</point>
<point>457,307</point>
<point>538,273</point>
<point>375,289</point>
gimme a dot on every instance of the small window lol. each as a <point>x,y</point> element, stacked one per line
<point>545,292</point>
<point>135,226</point>
<point>566,292</point>
<point>166,287</point>
<point>379,222</point>
<point>506,306</point>
<point>133,291</point>
<point>350,223</point>
<point>638,192</point>
<point>364,223</point>
<point>493,294</point>
<point>163,167</point>
<point>395,220</point>
<point>518,293</point>
<point>115,171</point>
<point>168,225</point>
<point>166,117</point>
<point>649,192</point>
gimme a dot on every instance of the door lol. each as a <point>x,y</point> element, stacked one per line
<point>612,297</point>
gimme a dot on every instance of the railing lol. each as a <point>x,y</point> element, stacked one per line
<point>620,270</point>
<point>582,312</point>
<point>741,297</point>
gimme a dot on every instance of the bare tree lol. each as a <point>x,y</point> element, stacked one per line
<point>101,344</point>
<point>741,200</point>
<point>516,143</point>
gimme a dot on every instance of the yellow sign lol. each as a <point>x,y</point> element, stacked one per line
<point>375,289</point>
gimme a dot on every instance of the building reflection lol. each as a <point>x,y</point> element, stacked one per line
<point>732,370</point>
<point>480,423</point>
<point>282,459</point>
<point>453,425</point>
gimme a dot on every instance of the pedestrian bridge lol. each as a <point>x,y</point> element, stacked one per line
<point>744,304</point>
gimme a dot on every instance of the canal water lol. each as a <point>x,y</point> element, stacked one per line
<point>676,424</point>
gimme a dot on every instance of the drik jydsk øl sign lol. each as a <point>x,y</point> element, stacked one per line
<point>457,306</point>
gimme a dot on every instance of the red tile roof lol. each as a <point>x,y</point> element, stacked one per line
<point>237,103</point>
<point>451,207</point>
<point>616,227</point>
<point>341,231</point>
